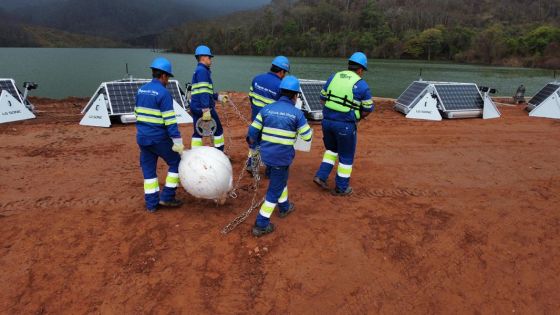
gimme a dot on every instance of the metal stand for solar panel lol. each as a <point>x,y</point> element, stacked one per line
<point>546,103</point>
<point>12,107</point>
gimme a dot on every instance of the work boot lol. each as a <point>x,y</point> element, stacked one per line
<point>258,231</point>
<point>175,203</point>
<point>338,192</point>
<point>321,183</point>
<point>285,213</point>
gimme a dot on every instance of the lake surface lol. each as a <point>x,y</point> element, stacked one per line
<point>64,72</point>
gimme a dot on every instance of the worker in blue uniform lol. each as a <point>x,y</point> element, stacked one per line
<point>158,136</point>
<point>347,99</point>
<point>277,126</point>
<point>203,98</point>
<point>264,90</point>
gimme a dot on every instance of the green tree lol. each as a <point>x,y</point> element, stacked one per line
<point>430,40</point>
<point>540,38</point>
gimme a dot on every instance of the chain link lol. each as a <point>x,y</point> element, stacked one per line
<point>256,178</point>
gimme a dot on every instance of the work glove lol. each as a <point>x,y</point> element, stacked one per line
<point>178,145</point>
<point>224,98</point>
<point>206,116</point>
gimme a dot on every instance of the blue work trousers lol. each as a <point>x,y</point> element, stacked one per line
<point>277,194</point>
<point>149,155</point>
<point>218,135</point>
<point>340,140</point>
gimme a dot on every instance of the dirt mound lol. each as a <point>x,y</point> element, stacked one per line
<point>458,216</point>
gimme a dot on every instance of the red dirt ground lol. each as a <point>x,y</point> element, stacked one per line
<point>451,217</point>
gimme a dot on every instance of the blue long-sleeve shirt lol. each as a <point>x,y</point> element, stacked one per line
<point>361,93</point>
<point>277,126</point>
<point>264,90</point>
<point>202,94</point>
<point>155,117</point>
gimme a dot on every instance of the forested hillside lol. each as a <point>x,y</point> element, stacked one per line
<point>511,32</point>
<point>15,33</point>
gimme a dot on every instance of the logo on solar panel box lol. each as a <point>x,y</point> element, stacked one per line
<point>12,109</point>
<point>425,109</point>
<point>97,115</point>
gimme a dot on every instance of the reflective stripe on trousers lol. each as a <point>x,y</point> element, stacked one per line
<point>151,186</point>
<point>172,180</point>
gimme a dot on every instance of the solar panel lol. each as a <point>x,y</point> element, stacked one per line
<point>545,93</point>
<point>10,86</point>
<point>412,93</point>
<point>459,97</point>
<point>122,94</point>
<point>311,93</point>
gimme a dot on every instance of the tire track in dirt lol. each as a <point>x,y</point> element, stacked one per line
<point>396,192</point>
<point>67,202</point>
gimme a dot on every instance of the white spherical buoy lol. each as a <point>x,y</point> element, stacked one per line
<point>206,172</point>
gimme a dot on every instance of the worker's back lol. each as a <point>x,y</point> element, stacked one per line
<point>264,90</point>
<point>281,122</point>
<point>154,103</point>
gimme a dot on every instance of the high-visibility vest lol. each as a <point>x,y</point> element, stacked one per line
<point>340,94</point>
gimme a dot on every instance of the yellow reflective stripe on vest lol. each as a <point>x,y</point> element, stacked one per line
<point>169,113</point>
<point>261,98</point>
<point>303,128</point>
<point>279,132</point>
<point>277,140</point>
<point>201,91</point>
<point>148,111</point>
<point>148,119</point>
<point>256,125</point>
<point>202,84</point>
<point>170,121</point>
<point>258,103</point>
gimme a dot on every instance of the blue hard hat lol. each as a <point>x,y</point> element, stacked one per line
<point>282,63</point>
<point>203,51</point>
<point>359,58</point>
<point>290,83</point>
<point>162,64</point>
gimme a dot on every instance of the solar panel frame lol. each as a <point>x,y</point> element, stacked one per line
<point>311,94</point>
<point>544,93</point>
<point>121,95</point>
<point>459,97</point>
<point>9,85</point>
<point>414,92</point>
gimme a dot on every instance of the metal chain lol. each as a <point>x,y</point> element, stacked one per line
<point>256,180</point>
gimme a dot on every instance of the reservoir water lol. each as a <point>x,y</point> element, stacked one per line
<point>64,72</point>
